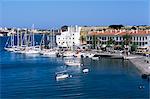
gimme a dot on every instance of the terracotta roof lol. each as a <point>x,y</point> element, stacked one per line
<point>120,33</point>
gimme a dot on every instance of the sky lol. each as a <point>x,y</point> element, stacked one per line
<point>56,13</point>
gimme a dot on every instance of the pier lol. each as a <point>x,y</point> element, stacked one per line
<point>141,65</point>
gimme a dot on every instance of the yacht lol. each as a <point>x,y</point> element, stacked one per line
<point>50,51</point>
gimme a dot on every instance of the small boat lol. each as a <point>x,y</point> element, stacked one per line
<point>95,58</point>
<point>68,54</point>
<point>49,52</point>
<point>90,55</point>
<point>62,75</point>
<point>72,63</point>
<point>85,70</point>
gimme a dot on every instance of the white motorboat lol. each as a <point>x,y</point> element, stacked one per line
<point>68,54</point>
<point>85,70</point>
<point>90,55</point>
<point>95,58</point>
<point>72,63</point>
<point>62,75</point>
<point>49,52</point>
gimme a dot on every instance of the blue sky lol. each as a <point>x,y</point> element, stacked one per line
<point>55,13</point>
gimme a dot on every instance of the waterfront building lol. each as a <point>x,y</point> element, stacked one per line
<point>69,38</point>
<point>140,38</point>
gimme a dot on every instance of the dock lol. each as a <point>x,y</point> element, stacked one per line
<point>110,55</point>
<point>141,65</point>
<point>139,61</point>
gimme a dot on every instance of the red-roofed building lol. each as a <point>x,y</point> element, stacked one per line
<point>141,38</point>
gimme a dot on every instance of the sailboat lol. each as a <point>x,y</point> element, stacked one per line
<point>51,51</point>
<point>10,47</point>
<point>30,47</point>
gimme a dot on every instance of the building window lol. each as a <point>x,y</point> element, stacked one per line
<point>59,42</point>
<point>134,38</point>
<point>140,38</point>
<point>143,43</point>
<point>103,38</point>
<point>137,38</point>
<point>73,38</point>
<point>116,38</point>
<point>146,38</point>
<point>90,38</point>
<point>120,38</point>
<point>143,38</point>
<point>73,34</point>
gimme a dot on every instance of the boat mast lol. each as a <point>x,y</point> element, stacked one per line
<point>42,43</point>
<point>53,39</point>
<point>21,38</point>
<point>13,38</point>
<point>50,39</point>
<point>32,31</point>
<point>17,37</point>
<point>26,41</point>
<point>6,45</point>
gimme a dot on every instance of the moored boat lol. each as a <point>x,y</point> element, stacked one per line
<point>62,75</point>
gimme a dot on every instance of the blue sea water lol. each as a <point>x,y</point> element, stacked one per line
<point>33,77</point>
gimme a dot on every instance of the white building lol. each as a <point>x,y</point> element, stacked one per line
<point>140,38</point>
<point>69,38</point>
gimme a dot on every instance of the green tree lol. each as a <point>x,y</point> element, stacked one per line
<point>82,38</point>
<point>94,41</point>
<point>116,26</point>
<point>64,28</point>
<point>127,39</point>
<point>110,42</point>
<point>134,47</point>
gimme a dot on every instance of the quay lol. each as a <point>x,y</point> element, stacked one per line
<point>141,65</point>
<point>138,61</point>
<point>110,55</point>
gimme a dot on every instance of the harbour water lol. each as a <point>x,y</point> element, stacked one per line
<point>33,76</point>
